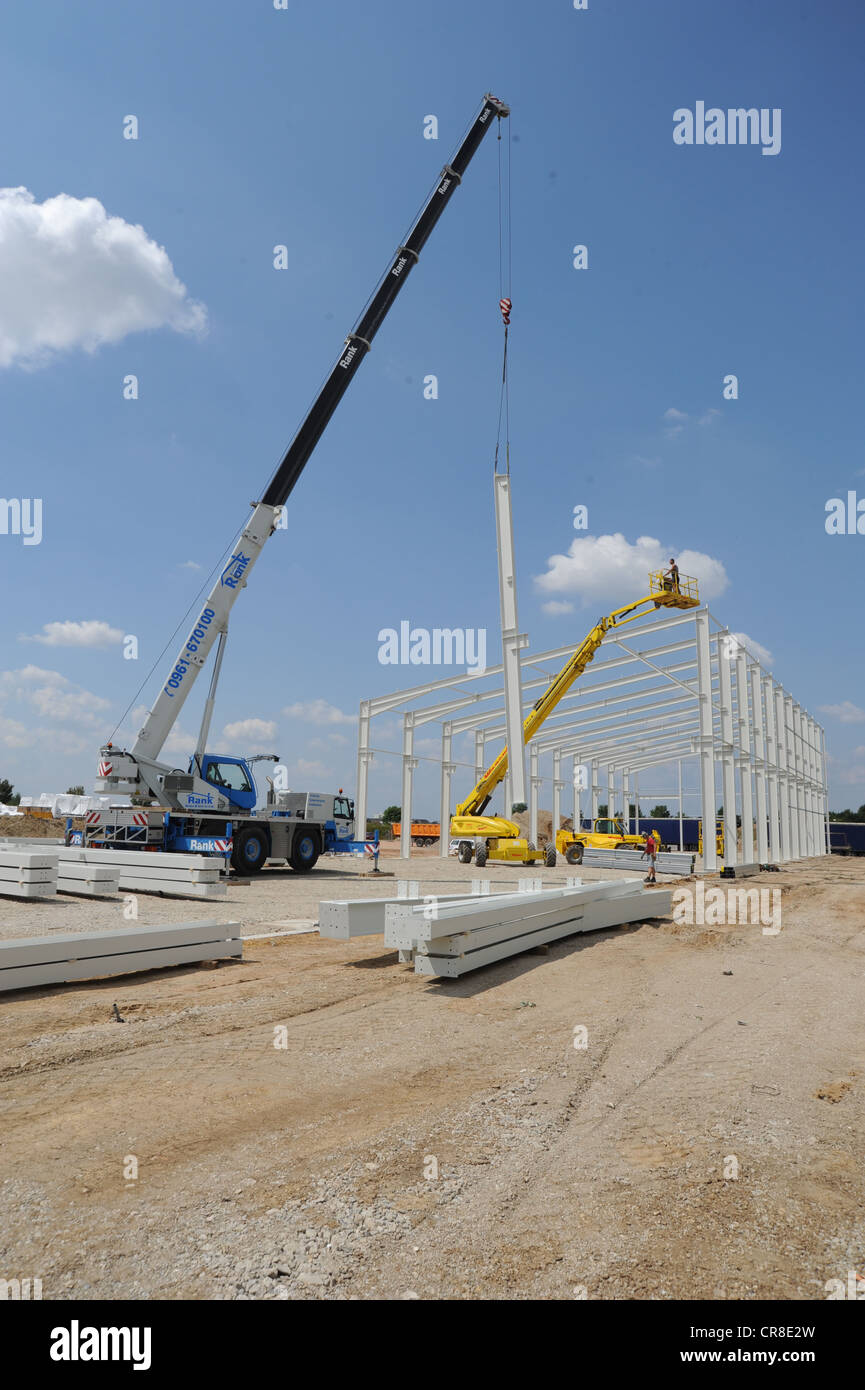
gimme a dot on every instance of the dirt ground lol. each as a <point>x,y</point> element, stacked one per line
<point>318,1122</point>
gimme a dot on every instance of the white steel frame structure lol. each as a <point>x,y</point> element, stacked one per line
<point>676,691</point>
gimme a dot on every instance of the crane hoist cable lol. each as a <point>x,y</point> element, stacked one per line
<point>505,305</point>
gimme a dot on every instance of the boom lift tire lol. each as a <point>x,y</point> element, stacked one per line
<point>249,851</point>
<point>574,854</point>
<point>481,857</point>
<point>305,849</point>
<point>550,856</point>
<point>464,852</point>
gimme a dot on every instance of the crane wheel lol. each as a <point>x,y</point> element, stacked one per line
<point>305,849</point>
<point>464,852</point>
<point>550,856</point>
<point>574,854</point>
<point>481,857</point>
<point>249,851</point>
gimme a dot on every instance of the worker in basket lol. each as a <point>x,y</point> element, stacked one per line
<point>671,578</point>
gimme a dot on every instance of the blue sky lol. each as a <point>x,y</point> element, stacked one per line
<point>304,127</point>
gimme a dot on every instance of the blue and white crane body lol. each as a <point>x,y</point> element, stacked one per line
<point>209,807</point>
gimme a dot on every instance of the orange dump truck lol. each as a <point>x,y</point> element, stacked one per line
<point>422,832</point>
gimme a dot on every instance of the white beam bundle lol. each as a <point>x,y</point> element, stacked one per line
<point>452,939</point>
<point>152,871</point>
<point>58,959</point>
<point>130,870</point>
<point>667,862</point>
<point>28,873</point>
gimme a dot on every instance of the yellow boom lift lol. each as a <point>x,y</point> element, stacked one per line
<point>495,837</point>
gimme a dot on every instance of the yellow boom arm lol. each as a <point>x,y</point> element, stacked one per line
<point>661,595</point>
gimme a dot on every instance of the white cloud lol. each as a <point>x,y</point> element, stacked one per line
<point>847,712</point>
<point>14,734</point>
<point>90,633</point>
<point>256,735</point>
<point>53,696</point>
<point>72,276</point>
<point>673,414</point>
<point>306,768</point>
<point>763,655</point>
<point>710,415</point>
<point>179,744</point>
<point>556,605</point>
<point>610,570</point>
<point>318,712</point>
<point>190,565</point>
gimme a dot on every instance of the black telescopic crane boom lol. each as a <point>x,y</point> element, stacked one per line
<point>358,342</point>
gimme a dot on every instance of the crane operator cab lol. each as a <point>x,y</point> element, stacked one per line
<point>232,778</point>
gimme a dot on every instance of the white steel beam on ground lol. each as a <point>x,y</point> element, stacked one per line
<point>59,959</point>
<point>512,640</point>
<point>744,756</point>
<point>759,763</point>
<point>706,741</point>
<point>647,904</point>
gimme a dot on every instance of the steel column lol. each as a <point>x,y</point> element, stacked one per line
<point>512,641</point>
<point>728,768</point>
<point>706,741</point>
<point>760,765</point>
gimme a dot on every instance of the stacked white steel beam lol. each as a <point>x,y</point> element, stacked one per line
<point>97,872</point>
<point>451,939</point>
<point>28,873</point>
<point>48,960</point>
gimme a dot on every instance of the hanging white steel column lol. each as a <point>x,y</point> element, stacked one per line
<point>626,800</point>
<point>728,766</point>
<point>611,789</point>
<point>772,771</point>
<point>760,765</point>
<point>681,836</point>
<point>534,785</point>
<point>409,763</point>
<point>744,759</point>
<point>636,803</point>
<point>512,643</point>
<point>364,758</point>
<point>448,769</point>
<point>783,776</point>
<point>706,740</point>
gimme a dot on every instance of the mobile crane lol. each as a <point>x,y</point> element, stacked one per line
<point>495,837</point>
<point>209,807</point>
